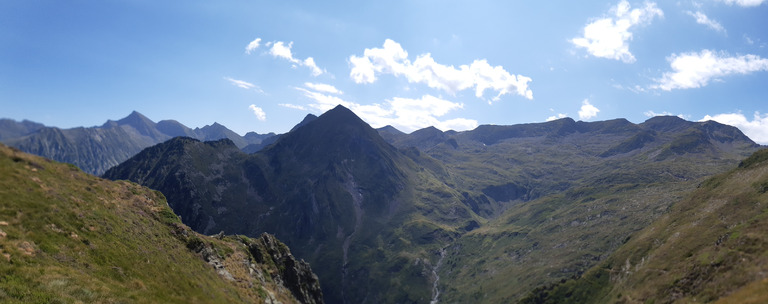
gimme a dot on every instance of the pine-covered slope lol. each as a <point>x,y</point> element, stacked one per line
<point>70,237</point>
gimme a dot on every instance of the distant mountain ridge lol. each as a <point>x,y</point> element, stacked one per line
<point>96,149</point>
<point>385,216</point>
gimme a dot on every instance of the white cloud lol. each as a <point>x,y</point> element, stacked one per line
<point>745,3</point>
<point>405,114</point>
<point>665,113</point>
<point>293,106</point>
<point>252,46</point>
<point>587,110</point>
<point>757,129</point>
<point>393,59</point>
<point>701,18</point>
<point>321,87</point>
<point>694,70</point>
<point>310,63</point>
<point>556,117</point>
<point>260,115</point>
<point>609,37</point>
<point>279,49</point>
<point>241,83</point>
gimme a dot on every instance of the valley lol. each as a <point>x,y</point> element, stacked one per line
<point>493,213</point>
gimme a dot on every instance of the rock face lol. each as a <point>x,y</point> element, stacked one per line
<point>294,274</point>
<point>96,149</point>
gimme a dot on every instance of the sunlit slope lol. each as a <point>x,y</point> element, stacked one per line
<point>70,237</point>
<point>711,246</point>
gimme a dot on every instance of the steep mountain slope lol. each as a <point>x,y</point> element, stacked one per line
<point>69,237</point>
<point>710,246</point>
<point>367,216</point>
<point>560,196</point>
<point>97,149</point>
<point>449,216</point>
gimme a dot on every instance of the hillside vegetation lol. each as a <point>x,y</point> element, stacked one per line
<point>70,237</point>
<point>711,246</point>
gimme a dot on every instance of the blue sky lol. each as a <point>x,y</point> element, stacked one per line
<point>263,65</point>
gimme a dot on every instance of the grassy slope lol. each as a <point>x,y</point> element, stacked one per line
<point>68,237</point>
<point>712,245</point>
<point>587,207</point>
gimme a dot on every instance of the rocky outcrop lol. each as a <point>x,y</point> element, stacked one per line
<point>294,274</point>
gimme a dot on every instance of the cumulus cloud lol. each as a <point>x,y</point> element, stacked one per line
<point>405,114</point>
<point>241,83</point>
<point>252,46</point>
<point>609,37</point>
<point>745,3</point>
<point>701,18</point>
<point>480,75</point>
<point>556,117</point>
<point>694,70</point>
<point>260,115</point>
<point>587,110</point>
<point>321,87</point>
<point>756,129</point>
<point>280,49</point>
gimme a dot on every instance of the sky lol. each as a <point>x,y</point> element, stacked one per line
<point>263,65</point>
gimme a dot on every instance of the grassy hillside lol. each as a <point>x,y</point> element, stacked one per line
<point>711,246</point>
<point>70,237</point>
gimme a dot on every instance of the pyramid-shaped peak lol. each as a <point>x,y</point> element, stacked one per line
<point>340,116</point>
<point>136,119</point>
<point>340,111</point>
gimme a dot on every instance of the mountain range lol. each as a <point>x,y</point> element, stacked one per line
<point>96,149</point>
<point>70,237</point>
<point>487,215</point>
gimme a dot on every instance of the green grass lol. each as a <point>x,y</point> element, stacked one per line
<point>69,237</point>
<point>711,245</point>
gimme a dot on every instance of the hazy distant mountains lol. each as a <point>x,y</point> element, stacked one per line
<point>97,149</point>
<point>486,215</point>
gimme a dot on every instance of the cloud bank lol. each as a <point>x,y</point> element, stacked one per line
<point>695,70</point>
<point>757,129</point>
<point>609,37</point>
<point>393,59</point>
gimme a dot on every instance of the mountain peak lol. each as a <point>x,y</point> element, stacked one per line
<point>666,123</point>
<point>307,119</point>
